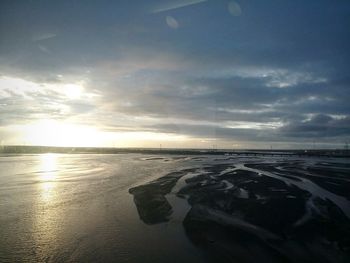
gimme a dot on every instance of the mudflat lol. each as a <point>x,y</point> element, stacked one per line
<point>257,209</point>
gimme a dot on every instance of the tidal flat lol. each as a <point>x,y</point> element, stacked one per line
<point>133,207</point>
<point>257,209</point>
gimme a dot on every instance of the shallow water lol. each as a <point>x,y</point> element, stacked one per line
<point>76,208</point>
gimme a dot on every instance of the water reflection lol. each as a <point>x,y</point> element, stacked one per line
<point>47,175</point>
<point>45,227</point>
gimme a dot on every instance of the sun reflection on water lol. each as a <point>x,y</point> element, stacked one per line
<point>45,227</point>
<point>48,174</point>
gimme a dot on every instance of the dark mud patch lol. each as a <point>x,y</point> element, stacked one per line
<point>150,201</point>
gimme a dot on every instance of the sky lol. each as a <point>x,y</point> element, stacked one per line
<point>176,73</point>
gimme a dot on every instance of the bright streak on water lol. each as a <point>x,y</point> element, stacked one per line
<point>48,168</point>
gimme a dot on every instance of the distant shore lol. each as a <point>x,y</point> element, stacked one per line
<point>24,149</point>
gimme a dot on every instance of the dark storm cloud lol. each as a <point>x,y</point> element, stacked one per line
<point>281,66</point>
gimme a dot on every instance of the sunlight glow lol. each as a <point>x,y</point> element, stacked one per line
<point>65,134</point>
<point>56,133</point>
<point>72,91</point>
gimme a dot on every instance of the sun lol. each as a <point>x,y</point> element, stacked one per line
<point>72,91</point>
<point>59,133</point>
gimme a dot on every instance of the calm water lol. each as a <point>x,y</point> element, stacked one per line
<point>76,208</point>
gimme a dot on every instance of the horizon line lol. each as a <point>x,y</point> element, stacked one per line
<point>173,148</point>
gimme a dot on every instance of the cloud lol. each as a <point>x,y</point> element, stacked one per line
<point>319,126</point>
<point>45,36</point>
<point>22,101</point>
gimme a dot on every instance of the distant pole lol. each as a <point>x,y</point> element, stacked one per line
<point>160,147</point>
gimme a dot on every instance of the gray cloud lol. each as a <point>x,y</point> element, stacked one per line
<point>318,126</point>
